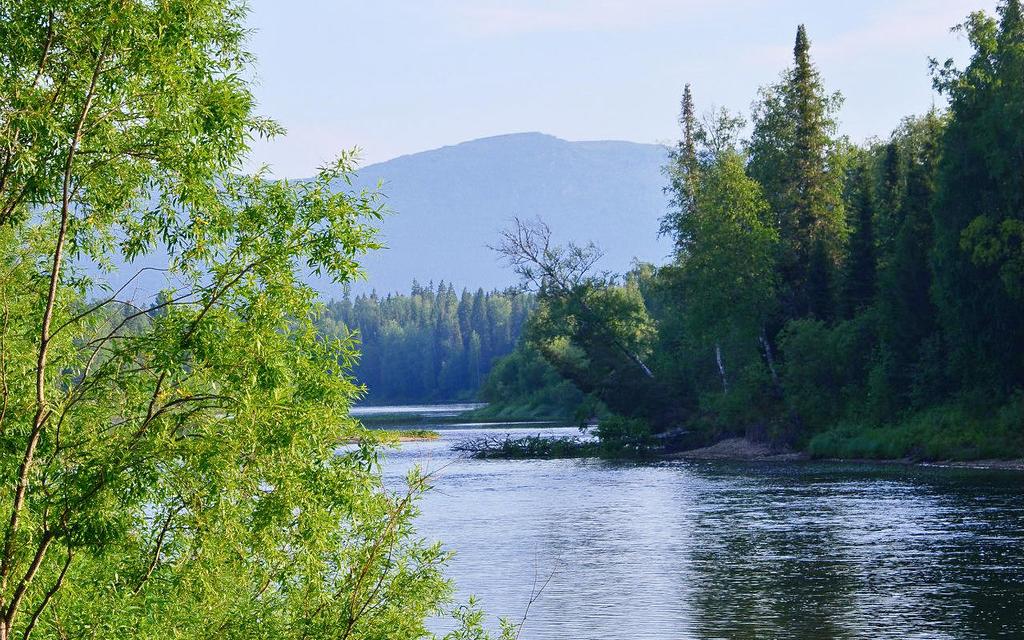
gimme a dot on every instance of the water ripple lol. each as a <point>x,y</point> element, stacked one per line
<point>702,550</point>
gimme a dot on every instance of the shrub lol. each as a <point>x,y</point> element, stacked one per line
<point>623,436</point>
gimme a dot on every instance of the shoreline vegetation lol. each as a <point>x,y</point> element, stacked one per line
<point>829,298</point>
<point>729,450</point>
<point>404,435</point>
<point>946,435</point>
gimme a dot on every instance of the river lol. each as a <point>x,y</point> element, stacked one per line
<point>726,550</point>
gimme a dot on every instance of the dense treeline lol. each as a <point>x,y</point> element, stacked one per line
<point>854,299</point>
<point>430,345</point>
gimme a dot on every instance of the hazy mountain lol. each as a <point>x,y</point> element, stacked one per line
<point>450,203</point>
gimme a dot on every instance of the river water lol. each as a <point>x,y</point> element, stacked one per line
<point>726,550</point>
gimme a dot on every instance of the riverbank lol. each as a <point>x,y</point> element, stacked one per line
<point>738,449</point>
<point>728,450</point>
<point>947,438</point>
<point>743,450</point>
<point>412,435</point>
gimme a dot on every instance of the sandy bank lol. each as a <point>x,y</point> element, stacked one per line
<point>737,449</point>
<point>742,449</point>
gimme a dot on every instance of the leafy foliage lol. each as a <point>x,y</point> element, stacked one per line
<point>524,385</point>
<point>979,205</point>
<point>856,300</point>
<point>171,468</point>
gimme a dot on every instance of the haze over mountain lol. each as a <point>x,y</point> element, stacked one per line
<point>450,203</point>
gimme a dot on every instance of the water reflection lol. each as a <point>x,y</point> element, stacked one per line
<point>688,550</point>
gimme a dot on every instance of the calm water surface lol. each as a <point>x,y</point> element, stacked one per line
<point>716,550</point>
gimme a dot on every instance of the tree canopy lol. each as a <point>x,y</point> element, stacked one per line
<point>171,467</point>
<point>848,299</point>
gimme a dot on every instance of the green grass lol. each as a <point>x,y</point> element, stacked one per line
<point>946,432</point>
<point>411,434</point>
<point>524,412</point>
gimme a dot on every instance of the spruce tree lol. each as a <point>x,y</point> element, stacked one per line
<point>907,316</point>
<point>888,200</point>
<point>681,172</point>
<point>688,122</point>
<point>796,159</point>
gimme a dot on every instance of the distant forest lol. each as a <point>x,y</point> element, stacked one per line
<point>433,344</point>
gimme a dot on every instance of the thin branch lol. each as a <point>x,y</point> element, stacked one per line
<point>42,410</point>
<point>3,365</point>
<point>46,50</point>
<point>26,580</point>
<point>112,298</point>
<point>535,594</point>
<point>159,547</point>
<point>47,597</point>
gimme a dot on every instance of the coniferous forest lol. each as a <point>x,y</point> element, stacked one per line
<point>432,345</point>
<point>855,300</point>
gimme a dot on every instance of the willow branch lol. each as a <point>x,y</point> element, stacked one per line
<point>52,591</point>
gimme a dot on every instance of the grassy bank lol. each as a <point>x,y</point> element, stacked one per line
<point>411,435</point>
<point>520,412</point>
<point>402,435</point>
<point>946,432</point>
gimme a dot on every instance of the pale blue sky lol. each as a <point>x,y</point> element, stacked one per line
<point>400,76</point>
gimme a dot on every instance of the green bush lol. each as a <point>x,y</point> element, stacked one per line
<point>826,368</point>
<point>945,432</point>
<point>522,385</point>
<point>623,436</point>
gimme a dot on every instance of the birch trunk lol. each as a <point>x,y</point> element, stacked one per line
<point>769,358</point>
<point>721,368</point>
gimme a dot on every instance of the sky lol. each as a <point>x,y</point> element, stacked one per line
<point>394,77</point>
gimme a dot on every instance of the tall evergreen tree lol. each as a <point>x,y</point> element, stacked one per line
<point>907,313</point>
<point>796,158</point>
<point>681,173</point>
<point>889,193</point>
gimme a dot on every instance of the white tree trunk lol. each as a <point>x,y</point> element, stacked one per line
<point>768,356</point>
<point>721,367</point>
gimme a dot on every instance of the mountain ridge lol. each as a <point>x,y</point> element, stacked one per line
<point>449,203</point>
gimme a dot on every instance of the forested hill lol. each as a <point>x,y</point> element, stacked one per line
<point>449,204</point>
<point>432,344</point>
